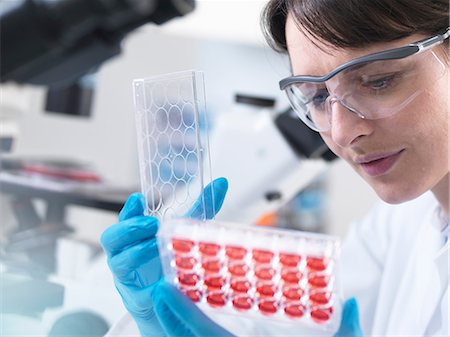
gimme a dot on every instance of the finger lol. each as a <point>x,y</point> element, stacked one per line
<point>123,264</point>
<point>188,317</point>
<point>350,320</point>
<point>136,299</point>
<point>134,206</point>
<point>169,321</point>
<point>209,204</point>
<point>128,232</point>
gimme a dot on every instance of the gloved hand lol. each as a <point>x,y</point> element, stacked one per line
<point>133,258</point>
<point>180,317</point>
<point>350,320</point>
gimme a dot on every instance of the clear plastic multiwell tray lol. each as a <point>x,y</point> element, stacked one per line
<point>259,272</point>
<point>172,141</point>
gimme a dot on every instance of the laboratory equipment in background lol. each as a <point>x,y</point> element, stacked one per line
<point>268,158</point>
<point>308,210</point>
<point>74,99</point>
<point>260,273</point>
<point>11,108</point>
<point>9,131</point>
<point>40,249</point>
<point>30,236</point>
<point>54,43</point>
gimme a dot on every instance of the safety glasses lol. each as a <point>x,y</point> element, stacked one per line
<point>374,86</point>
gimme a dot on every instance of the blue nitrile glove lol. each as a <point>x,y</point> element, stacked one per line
<point>133,258</point>
<point>180,317</point>
<point>350,320</point>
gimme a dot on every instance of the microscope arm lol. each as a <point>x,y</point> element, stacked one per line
<point>53,43</point>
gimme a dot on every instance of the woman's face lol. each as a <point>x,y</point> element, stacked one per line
<point>401,156</point>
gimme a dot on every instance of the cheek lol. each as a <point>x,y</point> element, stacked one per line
<point>337,150</point>
<point>427,119</point>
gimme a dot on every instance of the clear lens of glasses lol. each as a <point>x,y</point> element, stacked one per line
<point>372,90</point>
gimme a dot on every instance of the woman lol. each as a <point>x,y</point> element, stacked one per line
<point>387,115</point>
<point>373,78</point>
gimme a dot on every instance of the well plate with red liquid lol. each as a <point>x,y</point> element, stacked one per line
<point>260,272</point>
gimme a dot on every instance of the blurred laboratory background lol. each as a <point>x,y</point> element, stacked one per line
<point>69,160</point>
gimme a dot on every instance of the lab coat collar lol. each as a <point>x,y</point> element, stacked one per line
<point>442,222</point>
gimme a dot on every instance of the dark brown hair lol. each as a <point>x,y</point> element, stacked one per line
<point>355,23</point>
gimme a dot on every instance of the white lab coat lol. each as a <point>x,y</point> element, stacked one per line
<point>396,264</point>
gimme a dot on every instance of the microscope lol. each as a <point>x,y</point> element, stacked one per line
<point>54,44</point>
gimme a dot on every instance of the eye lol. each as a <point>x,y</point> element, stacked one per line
<point>377,84</point>
<point>319,98</point>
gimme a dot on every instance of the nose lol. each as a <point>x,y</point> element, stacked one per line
<point>346,125</point>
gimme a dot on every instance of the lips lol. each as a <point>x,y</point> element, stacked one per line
<point>378,164</point>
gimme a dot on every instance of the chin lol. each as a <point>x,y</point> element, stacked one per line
<point>393,195</point>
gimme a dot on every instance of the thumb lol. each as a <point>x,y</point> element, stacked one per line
<point>350,320</point>
<point>134,206</point>
<point>179,316</point>
<point>209,204</point>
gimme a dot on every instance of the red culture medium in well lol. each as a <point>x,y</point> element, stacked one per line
<point>238,269</point>
<point>240,286</point>
<point>188,279</point>
<point>266,289</point>
<point>316,263</point>
<point>294,310</point>
<point>264,273</point>
<point>182,246</point>
<point>216,299</point>
<point>318,281</point>
<point>262,255</point>
<point>211,266</point>
<point>268,306</point>
<point>291,275</point>
<point>185,262</point>
<point>235,252</point>
<point>208,248</point>
<point>242,302</point>
<point>289,260</point>
<point>320,315</point>
<point>194,294</point>
<point>214,282</point>
<point>293,293</point>
<point>319,297</point>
